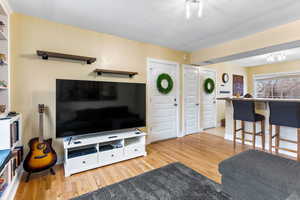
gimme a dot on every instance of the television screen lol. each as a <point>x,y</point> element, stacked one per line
<point>85,107</point>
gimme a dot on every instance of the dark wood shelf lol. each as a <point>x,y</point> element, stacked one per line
<point>105,71</point>
<point>46,54</point>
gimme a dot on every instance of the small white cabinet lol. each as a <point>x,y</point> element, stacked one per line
<point>92,151</point>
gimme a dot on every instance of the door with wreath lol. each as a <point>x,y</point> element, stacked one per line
<point>163,109</point>
<point>208,99</point>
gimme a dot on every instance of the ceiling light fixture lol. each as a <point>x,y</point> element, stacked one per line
<point>276,57</point>
<point>191,4</point>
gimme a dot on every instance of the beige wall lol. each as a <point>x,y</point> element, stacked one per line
<point>33,79</point>
<point>278,35</point>
<point>291,66</point>
<point>231,69</point>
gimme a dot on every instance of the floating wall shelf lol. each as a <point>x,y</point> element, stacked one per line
<point>105,71</point>
<point>46,54</point>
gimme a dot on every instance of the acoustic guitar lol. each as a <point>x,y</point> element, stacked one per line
<point>41,155</point>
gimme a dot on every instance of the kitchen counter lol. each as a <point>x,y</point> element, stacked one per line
<point>262,108</point>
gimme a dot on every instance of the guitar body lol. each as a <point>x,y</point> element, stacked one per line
<point>41,156</point>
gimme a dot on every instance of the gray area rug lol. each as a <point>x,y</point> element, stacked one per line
<point>172,182</point>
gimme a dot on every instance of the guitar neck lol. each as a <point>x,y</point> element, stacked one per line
<point>41,126</point>
<point>41,122</point>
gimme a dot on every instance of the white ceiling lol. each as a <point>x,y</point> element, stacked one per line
<point>291,54</point>
<point>163,22</point>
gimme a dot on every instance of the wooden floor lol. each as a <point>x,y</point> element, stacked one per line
<point>201,152</point>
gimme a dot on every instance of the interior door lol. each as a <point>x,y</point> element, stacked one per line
<point>163,108</point>
<point>191,100</point>
<point>208,101</point>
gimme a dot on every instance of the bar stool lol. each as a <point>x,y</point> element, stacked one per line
<point>284,114</point>
<point>244,111</point>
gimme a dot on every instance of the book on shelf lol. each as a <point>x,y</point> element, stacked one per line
<point>14,130</point>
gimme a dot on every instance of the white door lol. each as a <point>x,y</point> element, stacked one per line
<point>191,100</point>
<point>208,101</point>
<point>163,110</point>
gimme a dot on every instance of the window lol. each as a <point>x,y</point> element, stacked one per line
<point>280,85</point>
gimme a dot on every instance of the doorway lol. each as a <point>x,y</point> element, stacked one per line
<point>163,106</point>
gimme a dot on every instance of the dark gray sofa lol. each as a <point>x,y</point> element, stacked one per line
<point>256,175</point>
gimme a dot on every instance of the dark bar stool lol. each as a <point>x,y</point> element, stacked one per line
<point>245,112</point>
<point>284,114</point>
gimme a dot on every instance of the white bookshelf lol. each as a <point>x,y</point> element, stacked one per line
<point>123,146</point>
<point>9,142</point>
<point>4,49</point>
<point>12,176</point>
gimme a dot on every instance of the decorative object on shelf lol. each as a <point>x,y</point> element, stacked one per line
<point>3,84</point>
<point>2,26</point>
<point>209,85</point>
<point>41,155</point>
<point>2,108</point>
<point>238,95</point>
<point>225,78</point>
<point>2,59</point>
<point>193,4</point>
<point>106,71</point>
<point>164,83</point>
<point>3,113</point>
<point>248,95</point>
<point>46,54</point>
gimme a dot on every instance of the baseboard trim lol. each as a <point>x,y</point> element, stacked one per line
<point>15,185</point>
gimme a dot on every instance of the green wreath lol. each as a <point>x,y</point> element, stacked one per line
<point>209,85</point>
<point>159,86</point>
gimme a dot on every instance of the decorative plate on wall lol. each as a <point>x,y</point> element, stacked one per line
<point>225,78</point>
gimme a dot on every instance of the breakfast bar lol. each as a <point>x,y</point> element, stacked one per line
<point>284,115</point>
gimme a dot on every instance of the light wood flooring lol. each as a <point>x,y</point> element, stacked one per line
<point>201,152</point>
<point>219,131</point>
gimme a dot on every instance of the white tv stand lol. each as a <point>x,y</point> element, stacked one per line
<point>93,151</point>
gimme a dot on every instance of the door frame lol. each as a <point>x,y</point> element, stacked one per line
<point>183,97</point>
<point>148,87</point>
<point>216,90</point>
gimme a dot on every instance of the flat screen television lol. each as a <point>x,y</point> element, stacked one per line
<point>86,107</point>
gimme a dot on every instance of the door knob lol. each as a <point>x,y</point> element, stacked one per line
<point>175,104</point>
<point>197,104</point>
